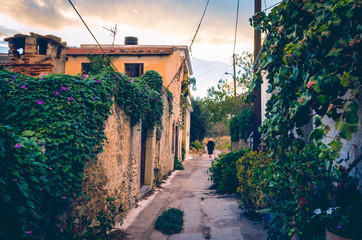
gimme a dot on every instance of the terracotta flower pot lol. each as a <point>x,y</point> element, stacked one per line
<point>332,236</point>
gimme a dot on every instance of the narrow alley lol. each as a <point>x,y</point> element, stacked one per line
<point>207,215</point>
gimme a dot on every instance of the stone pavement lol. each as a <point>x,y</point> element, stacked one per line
<point>206,215</point>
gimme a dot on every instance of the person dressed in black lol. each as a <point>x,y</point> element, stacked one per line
<point>210,147</point>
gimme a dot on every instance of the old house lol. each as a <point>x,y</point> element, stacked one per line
<point>134,159</point>
<point>35,54</point>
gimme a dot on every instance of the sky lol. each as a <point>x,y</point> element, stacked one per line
<point>154,22</point>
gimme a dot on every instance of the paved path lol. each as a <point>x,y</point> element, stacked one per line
<point>206,215</point>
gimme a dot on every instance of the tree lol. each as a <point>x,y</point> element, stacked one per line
<point>199,121</point>
<point>220,102</point>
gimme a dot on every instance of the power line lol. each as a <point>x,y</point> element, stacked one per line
<point>109,59</point>
<point>189,48</point>
<point>267,8</point>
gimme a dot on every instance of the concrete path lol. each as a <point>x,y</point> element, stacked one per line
<point>206,215</point>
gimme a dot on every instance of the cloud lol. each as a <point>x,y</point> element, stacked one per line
<point>173,17</point>
<point>6,32</point>
<point>37,13</point>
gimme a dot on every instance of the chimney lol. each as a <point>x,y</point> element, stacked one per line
<point>130,41</point>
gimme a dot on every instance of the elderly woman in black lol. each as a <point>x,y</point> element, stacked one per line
<point>210,147</point>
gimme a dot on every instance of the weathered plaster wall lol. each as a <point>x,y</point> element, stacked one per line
<point>116,171</point>
<point>163,157</point>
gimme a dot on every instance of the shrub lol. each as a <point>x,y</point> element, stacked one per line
<point>223,171</point>
<point>170,221</point>
<point>250,170</point>
<point>197,147</point>
<point>177,164</point>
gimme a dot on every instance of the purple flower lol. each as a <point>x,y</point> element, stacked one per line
<point>147,86</point>
<point>84,113</point>
<point>50,168</point>
<point>98,81</point>
<point>63,88</point>
<point>23,87</point>
<point>64,197</point>
<point>131,80</point>
<point>339,226</point>
<point>14,77</point>
<point>15,179</point>
<point>140,91</point>
<point>41,78</point>
<point>116,76</point>
<point>39,102</point>
<point>104,126</point>
<point>94,99</point>
<point>29,232</point>
<point>129,106</point>
<point>56,93</point>
<point>70,99</point>
<point>109,98</point>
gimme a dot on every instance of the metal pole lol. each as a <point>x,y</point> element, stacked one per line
<point>257,93</point>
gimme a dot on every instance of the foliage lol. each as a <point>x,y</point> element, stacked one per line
<point>170,221</point>
<point>98,228</point>
<point>197,147</point>
<point>22,184</point>
<point>224,173</point>
<point>297,183</point>
<point>250,168</point>
<point>170,101</point>
<point>220,102</point>
<point>177,164</point>
<point>67,114</point>
<point>217,129</point>
<point>97,63</point>
<point>185,93</point>
<point>240,126</point>
<point>312,60</point>
<point>199,121</point>
<point>183,150</point>
<point>344,216</point>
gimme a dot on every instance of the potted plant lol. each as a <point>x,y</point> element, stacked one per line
<point>343,216</point>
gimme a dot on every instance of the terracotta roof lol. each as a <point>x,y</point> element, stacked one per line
<point>126,50</point>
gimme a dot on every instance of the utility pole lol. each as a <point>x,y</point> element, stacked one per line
<point>257,93</point>
<point>234,75</point>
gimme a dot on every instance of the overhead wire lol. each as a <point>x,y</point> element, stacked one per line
<point>276,4</point>
<point>190,47</point>
<point>109,59</point>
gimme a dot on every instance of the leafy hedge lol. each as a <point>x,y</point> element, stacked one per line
<point>240,126</point>
<point>170,221</point>
<point>250,169</point>
<point>67,114</point>
<point>224,173</point>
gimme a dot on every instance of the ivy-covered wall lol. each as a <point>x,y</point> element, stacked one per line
<point>87,129</point>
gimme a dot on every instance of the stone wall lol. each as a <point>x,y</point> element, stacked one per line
<point>163,157</point>
<point>115,172</point>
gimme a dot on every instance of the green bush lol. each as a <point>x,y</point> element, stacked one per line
<point>170,221</point>
<point>177,164</point>
<point>250,170</point>
<point>240,126</point>
<point>197,146</point>
<point>223,171</point>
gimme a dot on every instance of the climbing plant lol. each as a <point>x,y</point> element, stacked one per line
<point>185,92</point>
<point>311,60</point>
<point>66,115</point>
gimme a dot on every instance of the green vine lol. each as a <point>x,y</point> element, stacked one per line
<point>66,115</point>
<point>312,60</point>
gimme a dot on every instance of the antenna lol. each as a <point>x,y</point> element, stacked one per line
<point>113,32</point>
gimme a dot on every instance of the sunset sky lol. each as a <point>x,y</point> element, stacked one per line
<point>154,22</point>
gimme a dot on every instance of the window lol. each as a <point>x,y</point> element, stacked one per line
<point>134,69</point>
<point>85,68</point>
<point>59,51</point>
<point>42,47</point>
